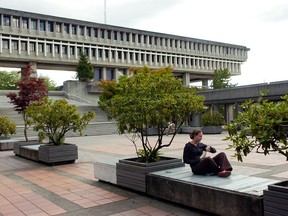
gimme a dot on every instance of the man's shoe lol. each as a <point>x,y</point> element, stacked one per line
<point>224,173</point>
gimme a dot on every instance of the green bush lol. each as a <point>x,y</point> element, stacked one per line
<point>53,119</point>
<point>7,126</point>
<point>212,118</point>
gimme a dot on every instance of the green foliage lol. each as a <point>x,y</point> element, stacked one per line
<point>222,79</point>
<point>212,118</point>
<point>8,80</point>
<point>7,126</point>
<point>149,98</point>
<point>55,119</point>
<point>264,126</point>
<point>50,84</point>
<point>84,69</point>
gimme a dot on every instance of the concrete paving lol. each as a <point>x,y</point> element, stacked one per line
<point>31,188</point>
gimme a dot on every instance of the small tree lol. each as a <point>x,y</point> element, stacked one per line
<point>30,89</point>
<point>55,119</point>
<point>50,84</point>
<point>8,80</point>
<point>84,69</point>
<point>7,126</point>
<point>222,79</point>
<point>264,127</point>
<point>149,98</point>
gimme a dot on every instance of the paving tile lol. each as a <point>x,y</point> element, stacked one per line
<point>22,203</point>
<point>70,189</point>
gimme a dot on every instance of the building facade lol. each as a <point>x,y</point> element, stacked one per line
<point>55,43</point>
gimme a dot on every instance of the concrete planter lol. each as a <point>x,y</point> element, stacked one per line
<point>212,129</point>
<point>132,174</point>
<point>275,199</point>
<point>151,132</point>
<point>51,154</point>
<point>6,143</point>
<point>17,145</point>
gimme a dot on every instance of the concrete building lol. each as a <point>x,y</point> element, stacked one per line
<point>54,43</point>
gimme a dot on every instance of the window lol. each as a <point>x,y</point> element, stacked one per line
<point>64,49</point>
<point>88,31</point>
<point>100,53</point>
<point>24,45</point>
<point>98,74</point>
<point>49,48</point>
<point>40,47</point>
<point>33,24</point>
<point>32,46</point>
<point>74,29</point>
<point>66,28</point>
<point>72,50</point>
<point>82,30</point>
<point>50,27</point>
<point>16,22</point>
<point>5,43</point>
<point>42,25</point>
<point>57,48</point>
<point>58,27</point>
<point>15,45</point>
<point>25,22</point>
<point>109,34</point>
<point>6,20</point>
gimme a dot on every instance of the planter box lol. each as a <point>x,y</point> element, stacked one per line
<point>6,144</point>
<point>51,154</point>
<point>132,174</point>
<point>17,145</point>
<point>212,129</point>
<point>275,199</point>
<point>30,151</point>
<point>151,132</point>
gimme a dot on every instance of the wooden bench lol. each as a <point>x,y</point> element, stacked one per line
<point>235,195</point>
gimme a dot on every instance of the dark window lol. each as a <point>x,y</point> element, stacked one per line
<point>64,49</point>
<point>58,27</point>
<point>57,48</point>
<point>5,43</point>
<point>42,25</point>
<point>33,24</point>
<point>40,47</point>
<point>25,22</point>
<point>49,48</point>
<point>6,20</point>
<point>74,29</point>
<point>16,22</point>
<point>82,30</point>
<point>15,45</point>
<point>50,27</point>
<point>98,74</point>
<point>32,46</point>
<point>66,28</point>
<point>24,46</point>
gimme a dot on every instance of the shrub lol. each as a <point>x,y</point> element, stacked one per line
<point>212,118</point>
<point>7,126</point>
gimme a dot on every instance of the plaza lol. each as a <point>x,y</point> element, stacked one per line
<point>31,188</point>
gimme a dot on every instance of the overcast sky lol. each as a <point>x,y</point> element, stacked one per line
<point>260,25</point>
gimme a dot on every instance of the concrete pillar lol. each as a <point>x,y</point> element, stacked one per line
<point>196,120</point>
<point>186,79</point>
<point>104,73</point>
<point>229,112</point>
<point>205,83</point>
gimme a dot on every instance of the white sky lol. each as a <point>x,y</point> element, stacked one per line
<point>260,25</point>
